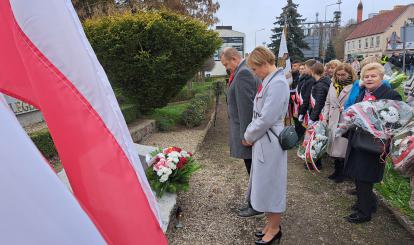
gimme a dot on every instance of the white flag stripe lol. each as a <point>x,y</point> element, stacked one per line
<point>77,61</point>
<point>284,50</point>
<point>35,207</point>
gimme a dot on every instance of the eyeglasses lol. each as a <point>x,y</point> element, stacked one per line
<point>342,74</point>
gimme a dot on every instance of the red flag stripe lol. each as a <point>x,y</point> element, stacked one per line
<point>100,173</point>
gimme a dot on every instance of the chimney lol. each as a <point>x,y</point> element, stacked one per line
<point>359,15</point>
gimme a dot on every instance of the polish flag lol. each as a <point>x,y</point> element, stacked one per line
<point>35,207</point>
<point>47,61</point>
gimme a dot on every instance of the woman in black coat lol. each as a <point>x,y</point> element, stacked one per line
<point>304,90</point>
<point>365,164</point>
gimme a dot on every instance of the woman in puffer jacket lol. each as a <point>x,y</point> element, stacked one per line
<point>318,96</point>
<point>305,91</point>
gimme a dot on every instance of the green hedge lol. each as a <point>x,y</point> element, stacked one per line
<point>195,113</point>
<point>44,143</point>
<point>150,56</point>
<point>130,112</point>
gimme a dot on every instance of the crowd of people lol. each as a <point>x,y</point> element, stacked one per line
<point>324,97</point>
<point>259,97</point>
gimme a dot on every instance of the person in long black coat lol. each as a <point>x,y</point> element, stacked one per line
<point>364,166</point>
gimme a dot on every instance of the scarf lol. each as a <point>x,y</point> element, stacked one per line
<point>340,85</point>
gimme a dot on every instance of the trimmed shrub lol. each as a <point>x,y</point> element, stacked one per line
<point>165,124</point>
<point>184,95</point>
<point>44,143</point>
<point>129,112</point>
<point>194,115</point>
<point>150,55</point>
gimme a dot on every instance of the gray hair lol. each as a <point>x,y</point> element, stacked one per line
<point>228,53</point>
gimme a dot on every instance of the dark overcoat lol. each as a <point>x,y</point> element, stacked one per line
<point>240,96</point>
<point>362,165</point>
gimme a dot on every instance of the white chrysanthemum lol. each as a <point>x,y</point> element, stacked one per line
<point>174,159</point>
<point>171,164</point>
<point>164,178</point>
<point>391,115</point>
<point>174,154</point>
<point>184,154</point>
<point>160,155</point>
<point>160,172</point>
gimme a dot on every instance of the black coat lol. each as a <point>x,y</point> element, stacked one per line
<point>319,92</point>
<point>396,60</point>
<point>295,79</point>
<point>360,164</point>
<point>305,92</point>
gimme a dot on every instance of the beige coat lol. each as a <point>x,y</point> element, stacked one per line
<point>331,113</point>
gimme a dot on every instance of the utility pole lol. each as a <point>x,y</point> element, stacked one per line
<point>404,38</point>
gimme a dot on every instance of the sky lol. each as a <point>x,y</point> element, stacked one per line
<point>249,16</point>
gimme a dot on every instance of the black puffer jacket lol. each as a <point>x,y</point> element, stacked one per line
<point>295,79</point>
<point>304,89</point>
<point>319,92</point>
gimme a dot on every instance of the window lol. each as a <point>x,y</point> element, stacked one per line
<point>359,43</point>
<point>378,42</point>
<point>353,44</point>
<point>366,42</point>
<point>372,42</point>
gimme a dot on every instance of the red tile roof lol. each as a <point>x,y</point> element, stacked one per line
<point>377,24</point>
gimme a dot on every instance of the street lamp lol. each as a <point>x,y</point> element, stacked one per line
<point>255,35</point>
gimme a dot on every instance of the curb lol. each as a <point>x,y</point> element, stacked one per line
<point>205,131</point>
<point>173,218</point>
<point>401,218</point>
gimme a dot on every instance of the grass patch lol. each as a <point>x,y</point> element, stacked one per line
<point>397,190</point>
<point>169,116</point>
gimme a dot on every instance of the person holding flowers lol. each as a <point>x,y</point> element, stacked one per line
<point>343,78</point>
<point>364,161</point>
<point>268,176</point>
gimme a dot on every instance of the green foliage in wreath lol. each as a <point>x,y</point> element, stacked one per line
<point>178,181</point>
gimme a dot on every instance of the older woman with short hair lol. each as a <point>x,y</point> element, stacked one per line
<point>363,160</point>
<point>268,176</point>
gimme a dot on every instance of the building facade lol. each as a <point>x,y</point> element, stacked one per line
<point>232,39</point>
<point>371,37</point>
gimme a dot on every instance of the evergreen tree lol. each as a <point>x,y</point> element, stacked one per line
<point>330,52</point>
<point>295,36</point>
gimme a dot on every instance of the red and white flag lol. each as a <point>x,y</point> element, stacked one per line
<point>47,61</point>
<point>35,207</point>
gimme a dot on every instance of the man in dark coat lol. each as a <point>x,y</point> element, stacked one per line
<point>240,95</point>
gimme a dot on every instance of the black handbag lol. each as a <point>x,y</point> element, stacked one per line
<point>367,142</point>
<point>287,138</point>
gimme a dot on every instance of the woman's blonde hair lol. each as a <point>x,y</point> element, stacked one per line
<point>260,56</point>
<point>369,60</point>
<point>333,63</point>
<point>372,67</point>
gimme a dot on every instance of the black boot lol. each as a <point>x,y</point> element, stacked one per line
<point>339,167</point>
